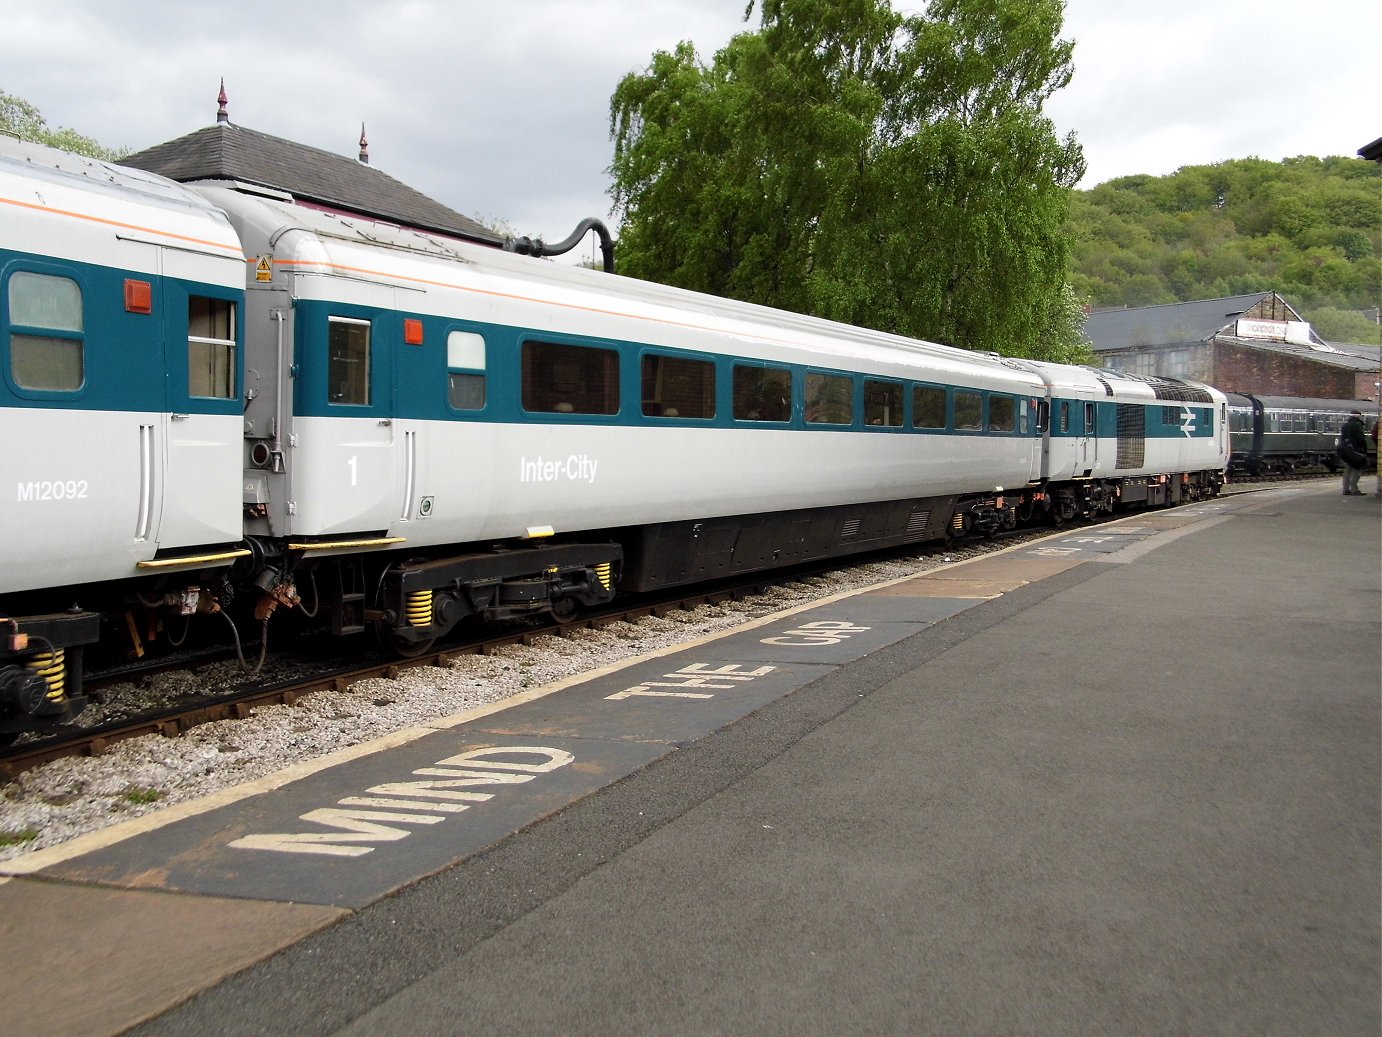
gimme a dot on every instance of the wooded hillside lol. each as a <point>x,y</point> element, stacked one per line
<point>1308,228</point>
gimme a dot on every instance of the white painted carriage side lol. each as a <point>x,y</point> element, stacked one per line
<point>95,492</point>
<point>200,498</point>
<point>489,480</point>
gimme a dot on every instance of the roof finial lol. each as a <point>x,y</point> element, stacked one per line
<point>221,114</point>
<point>364,145</point>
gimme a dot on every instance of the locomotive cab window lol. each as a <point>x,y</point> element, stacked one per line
<point>465,370</point>
<point>928,406</point>
<point>883,404</point>
<point>678,387</point>
<point>562,379</point>
<point>210,348</point>
<point>762,393</point>
<point>829,399</point>
<point>47,333</point>
<point>348,360</point>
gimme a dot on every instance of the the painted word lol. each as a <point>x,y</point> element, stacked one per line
<point>697,676</point>
<point>821,632</point>
<point>576,468</point>
<point>358,821</point>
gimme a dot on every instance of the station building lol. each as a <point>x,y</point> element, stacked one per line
<point>1255,343</point>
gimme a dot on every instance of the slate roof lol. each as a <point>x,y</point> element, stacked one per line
<point>234,153</point>
<point>1178,323</point>
<point>1347,355</point>
<point>1190,323</point>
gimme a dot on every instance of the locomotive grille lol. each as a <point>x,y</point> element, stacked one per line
<point>1177,391</point>
<point>917,523</point>
<point>1132,436</point>
<point>850,530</point>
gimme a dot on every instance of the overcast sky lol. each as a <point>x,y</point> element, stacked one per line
<point>500,109</point>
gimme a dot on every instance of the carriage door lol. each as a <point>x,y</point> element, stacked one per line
<point>351,478</point>
<point>1089,438</point>
<point>203,422</point>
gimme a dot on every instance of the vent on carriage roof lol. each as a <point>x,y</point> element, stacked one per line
<point>1177,391</point>
<point>312,176</point>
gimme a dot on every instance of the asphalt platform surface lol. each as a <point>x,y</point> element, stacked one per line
<point>1139,794</point>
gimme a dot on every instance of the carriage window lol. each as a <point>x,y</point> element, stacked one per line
<point>969,411</point>
<point>210,348</point>
<point>676,387</point>
<point>1002,414</point>
<point>561,379</point>
<point>928,406</point>
<point>465,370</point>
<point>347,363</point>
<point>829,399</point>
<point>762,393</point>
<point>883,404</point>
<point>1089,419</point>
<point>1065,417</point>
<point>46,332</point>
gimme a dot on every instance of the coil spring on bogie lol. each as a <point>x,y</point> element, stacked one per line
<point>52,667</point>
<point>418,609</point>
<point>603,572</point>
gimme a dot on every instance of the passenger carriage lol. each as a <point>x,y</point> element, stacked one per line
<point>1277,434</point>
<point>446,394</point>
<point>120,353</point>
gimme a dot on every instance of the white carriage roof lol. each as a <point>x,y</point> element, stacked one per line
<point>226,152</point>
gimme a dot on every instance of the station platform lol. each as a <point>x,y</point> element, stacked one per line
<point>1124,780</point>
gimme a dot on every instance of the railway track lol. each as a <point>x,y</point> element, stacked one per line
<point>241,701</point>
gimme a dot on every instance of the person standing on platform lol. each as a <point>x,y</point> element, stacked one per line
<point>1353,451</point>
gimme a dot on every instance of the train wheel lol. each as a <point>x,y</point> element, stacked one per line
<point>392,644</point>
<point>565,610</point>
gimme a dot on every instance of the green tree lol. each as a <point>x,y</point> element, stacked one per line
<point>19,117</point>
<point>845,160</point>
<point>1336,325</point>
<point>1309,228</point>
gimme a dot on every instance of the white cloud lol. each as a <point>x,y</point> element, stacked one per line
<point>502,109</point>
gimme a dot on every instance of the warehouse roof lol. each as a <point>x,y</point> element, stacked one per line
<point>1176,323</point>
<point>1190,323</point>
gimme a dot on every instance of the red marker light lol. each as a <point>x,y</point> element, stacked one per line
<point>139,297</point>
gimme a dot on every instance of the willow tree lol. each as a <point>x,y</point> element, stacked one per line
<point>845,160</point>
<point>21,118</point>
